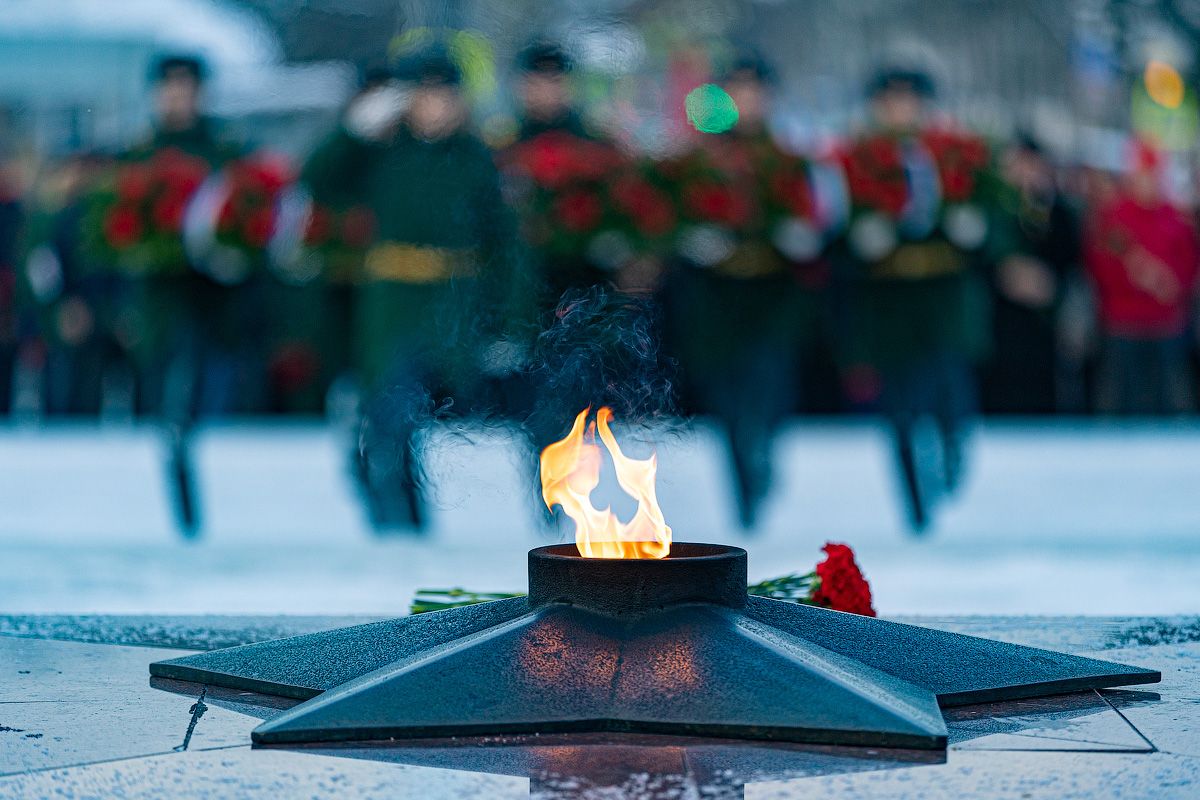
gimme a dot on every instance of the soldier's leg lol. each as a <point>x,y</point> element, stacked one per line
<point>178,414</point>
<point>388,444</point>
<point>754,397</point>
<point>955,405</point>
<point>902,390</point>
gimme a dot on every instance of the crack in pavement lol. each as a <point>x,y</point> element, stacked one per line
<point>197,710</point>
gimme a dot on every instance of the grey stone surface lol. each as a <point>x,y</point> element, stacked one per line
<point>1172,723</point>
<point>1082,721</point>
<point>33,670</point>
<point>188,632</point>
<point>64,703</point>
<point>1059,747</point>
<point>243,773</point>
<point>1024,775</point>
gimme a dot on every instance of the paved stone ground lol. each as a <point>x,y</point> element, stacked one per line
<point>1055,518</point>
<point>78,719</point>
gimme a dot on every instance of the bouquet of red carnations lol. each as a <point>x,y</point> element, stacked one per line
<point>878,186</point>
<point>717,201</point>
<point>789,203</point>
<point>836,583</point>
<point>572,203</point>
<point>875,176</point>
<point>736,188</point>
<point>233,218</point>
<point>962,160</point>
<point>135,214</point>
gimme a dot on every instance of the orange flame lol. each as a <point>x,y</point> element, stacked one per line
<point>571,471</point>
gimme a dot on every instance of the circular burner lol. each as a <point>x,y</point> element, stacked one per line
<point>692,573</point>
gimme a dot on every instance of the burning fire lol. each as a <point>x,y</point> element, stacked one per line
<point>571,471</point>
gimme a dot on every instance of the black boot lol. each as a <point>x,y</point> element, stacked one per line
<point>918,514</point>
<point>394,499</point>
<point>182,484</point>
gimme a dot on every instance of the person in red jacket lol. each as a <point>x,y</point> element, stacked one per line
<point>1142,255</point>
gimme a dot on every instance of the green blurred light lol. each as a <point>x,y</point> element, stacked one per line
<point>710,109</point>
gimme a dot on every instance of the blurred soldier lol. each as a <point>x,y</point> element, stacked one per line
<point>180,326</point>
<point>743,300</point>
<point>171,312</point>
<point>919,311</point>
<point>553,166</point>
<point>548,118</point>
<point>1141,254</point>
<point>1034,250</point>
<point>434,289</point>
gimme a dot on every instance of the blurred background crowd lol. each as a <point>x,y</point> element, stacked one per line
<point>379,210</point>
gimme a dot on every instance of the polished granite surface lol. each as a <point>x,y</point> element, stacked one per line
<point>80,718</point>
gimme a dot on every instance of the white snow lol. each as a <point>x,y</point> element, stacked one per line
<point>1055,518</point>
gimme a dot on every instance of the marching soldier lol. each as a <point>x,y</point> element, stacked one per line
<point>178,324</point>
<point>918,313</point>
<point>180,328</point>
<point>548,120</point>
<point>743,300</point>
<point>434,289</point>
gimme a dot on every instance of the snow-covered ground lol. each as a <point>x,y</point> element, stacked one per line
<point>1055,518</point>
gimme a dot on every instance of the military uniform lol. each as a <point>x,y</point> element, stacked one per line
<point>179,326</point>
<point>738,327</point>
<point>918,314</point>
<point>437,280</point>
<point>556,273</point>
<point>433,291</point>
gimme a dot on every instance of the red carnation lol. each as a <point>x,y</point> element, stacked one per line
<point>257,227</point>
<point>893,197</point>
<point>319,227</point>
<point>579,211</point>
<point>134,182</point>
<point>958,185</point>
<point>715,202</point>
<point>548,159</point>
<point>358,227</point>
<point>793,192</point>
<point>656,217</point>
<point>842,586</point>
<point>167,212</point>
<point>181,172</point>
<point>227,218</point>
<point>266,173</point>
<point>122,227</point>
<point>883,152</point>
<point>959,156</point>
<point>592,160</point>
<point>649,208</point>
